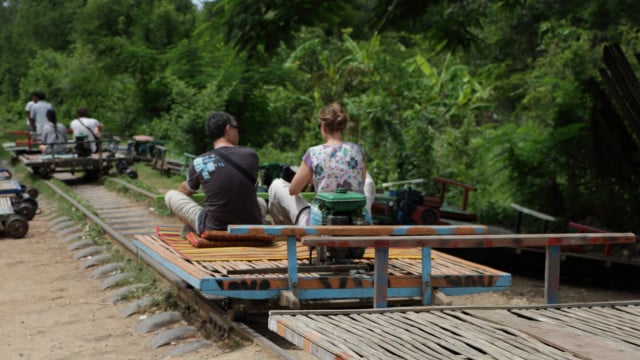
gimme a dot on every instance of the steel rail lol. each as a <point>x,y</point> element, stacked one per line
<point>135,188</point>
<point>119,238</point>
<point>240,329</point>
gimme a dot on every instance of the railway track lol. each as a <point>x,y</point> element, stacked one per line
<point>121,218</point>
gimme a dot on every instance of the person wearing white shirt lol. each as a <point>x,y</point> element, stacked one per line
<point>85,126</point>
<point>38,114</point>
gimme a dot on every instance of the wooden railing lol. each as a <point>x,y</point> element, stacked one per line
<point>552,242</point>
<point>293,233</point>
<point>384,237</point>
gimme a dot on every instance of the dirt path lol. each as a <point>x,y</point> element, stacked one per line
<point>50,309</point>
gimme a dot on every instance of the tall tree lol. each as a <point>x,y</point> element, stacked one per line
<point>260,26</point>
<point>27,27</point>
<point>132,37</point>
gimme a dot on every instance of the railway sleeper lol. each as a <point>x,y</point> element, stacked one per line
<point>212,317</point>
<point>207,315</point>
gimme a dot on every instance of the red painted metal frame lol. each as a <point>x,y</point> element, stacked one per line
<point>465,187</point>
<point>590,229</point>
<point>28,142</point>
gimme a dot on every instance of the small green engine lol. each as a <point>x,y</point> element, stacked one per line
<point>341,207</point>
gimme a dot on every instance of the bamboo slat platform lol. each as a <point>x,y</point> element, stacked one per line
<point>6,208</point>
<point>29,159</point>
<point>238,272</point>
<point>564,331</point>
<point>10,186</point>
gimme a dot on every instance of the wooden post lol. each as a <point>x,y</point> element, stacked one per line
<point>381,277</point>
<point>427,292</point>
<point>292,263</point>
<point>552,274</point>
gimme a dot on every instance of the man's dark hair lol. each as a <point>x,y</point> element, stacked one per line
<point>40,95</point>
<point>82,112</point>
<point>217,123</point>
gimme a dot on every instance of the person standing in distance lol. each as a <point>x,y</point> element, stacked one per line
<point>227,176</point>
<point>38,115</point>
<point>27,109</point>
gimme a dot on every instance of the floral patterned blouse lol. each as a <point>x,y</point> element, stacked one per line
<point>336,166</point>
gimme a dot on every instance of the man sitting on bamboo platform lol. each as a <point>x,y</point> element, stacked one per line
<point>227,174</point>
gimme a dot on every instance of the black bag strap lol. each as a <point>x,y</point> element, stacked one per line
<point>95,137</point>
<point>235,165</point>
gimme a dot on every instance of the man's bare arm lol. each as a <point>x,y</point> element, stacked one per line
<point>185,189</point>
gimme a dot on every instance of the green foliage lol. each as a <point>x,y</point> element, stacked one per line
<point>272,154</point>
<point>156,24</point>
<point>556,77</point>
<point>43,75</point>
<point>183,126</point>
<point>34,24</point>
<point>504,95</point>
<point>77,80</point>
<point>289,107</point>
<point>403,97</point>
<point>261,26</point>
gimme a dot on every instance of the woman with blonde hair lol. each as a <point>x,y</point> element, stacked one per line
<point>333,164</point>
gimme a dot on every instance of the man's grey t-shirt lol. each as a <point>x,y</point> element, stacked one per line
<point>230,198</point>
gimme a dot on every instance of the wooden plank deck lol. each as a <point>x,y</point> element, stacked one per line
<point>6,208</point>
<point>399,262</point>
<point>47,164</point>
<point>9,186</point>
<point>208,270</point>
<point>565,331</point>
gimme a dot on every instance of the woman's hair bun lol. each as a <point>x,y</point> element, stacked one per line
<point>334,117</point>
